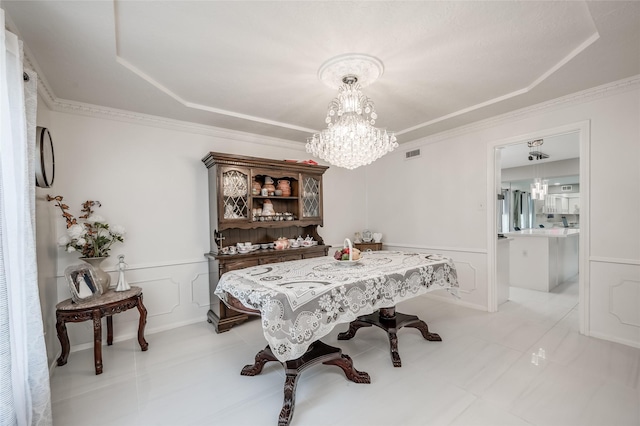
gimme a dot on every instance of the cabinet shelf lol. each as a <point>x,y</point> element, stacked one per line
<point>264,197</point>
<point>267,253</point>
<point>266,224</point>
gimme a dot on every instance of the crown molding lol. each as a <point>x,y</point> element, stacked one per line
<point>576,98</point>
<point>101,112</point>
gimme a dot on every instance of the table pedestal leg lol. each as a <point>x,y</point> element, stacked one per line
<point>109,330</point>
<point>97,341</point>
<point>318,352</point>
<point>390,321</point>
<point>141,324</point>
<point>63,337</point>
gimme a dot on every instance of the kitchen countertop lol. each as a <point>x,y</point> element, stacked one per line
<point>544,232</point>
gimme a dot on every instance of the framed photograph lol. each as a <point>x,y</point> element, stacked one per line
<point>82,281</point>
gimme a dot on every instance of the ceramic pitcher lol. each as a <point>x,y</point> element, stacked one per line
<point>285,186</point>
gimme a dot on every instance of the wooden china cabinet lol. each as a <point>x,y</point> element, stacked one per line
<point>234,207</point>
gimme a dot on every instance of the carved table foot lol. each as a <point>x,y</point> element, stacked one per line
<point>318,352</point>
<point>424,329</point>
<point>390,321</point>
<point>353,327</point>
<point>262,358</point>
<point>346,363</point>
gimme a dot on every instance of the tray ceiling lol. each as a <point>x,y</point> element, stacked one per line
<point>252,66</point>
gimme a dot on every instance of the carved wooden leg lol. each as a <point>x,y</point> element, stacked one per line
<point>262,358</point>
<point>318,352</point>
<point>390,321</point>
<point>61,327</point>
<point>286,414</point>
<point>97,340</point>
<point>353,327</point>
<point>141,324</point>
<point>110,330</point>
<point>346,363</point>
<point>424,329</point>
<point>393,346</point>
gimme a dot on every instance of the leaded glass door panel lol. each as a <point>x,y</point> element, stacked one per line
<point>311,202</point>
<point>234,186</point>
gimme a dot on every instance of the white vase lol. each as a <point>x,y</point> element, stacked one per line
<point>377,237</point>
<point>104,279</point>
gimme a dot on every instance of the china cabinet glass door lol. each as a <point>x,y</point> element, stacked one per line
<point>310,197</point>
<point>235,194</point>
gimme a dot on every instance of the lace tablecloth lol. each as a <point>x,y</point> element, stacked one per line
<point>301,301</point>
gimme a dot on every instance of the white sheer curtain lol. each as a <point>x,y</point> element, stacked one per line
<point>24,375</point>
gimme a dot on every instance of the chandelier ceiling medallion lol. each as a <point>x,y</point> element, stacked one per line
<point>350,139</point>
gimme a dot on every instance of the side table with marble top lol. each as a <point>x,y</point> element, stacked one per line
<point>107,305</point>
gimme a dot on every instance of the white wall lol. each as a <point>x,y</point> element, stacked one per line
<point>46,252</point>
<point>152,181</point>
<point>436,202</point>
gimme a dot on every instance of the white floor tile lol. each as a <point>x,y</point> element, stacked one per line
<point>480,374</point>
<point>483,413</point>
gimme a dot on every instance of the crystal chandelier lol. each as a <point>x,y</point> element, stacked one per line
<point>539,187</point>
<point>350,139</point>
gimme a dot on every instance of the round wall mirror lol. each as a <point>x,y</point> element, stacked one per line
<point>45,161</point>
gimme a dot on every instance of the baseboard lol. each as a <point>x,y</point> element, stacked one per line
<point>632,343</point>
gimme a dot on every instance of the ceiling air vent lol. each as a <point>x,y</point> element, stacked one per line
<point>412,154</point>
<point>566,188</point>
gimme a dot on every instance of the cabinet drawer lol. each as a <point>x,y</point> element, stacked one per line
<point>278,259</point>
<point>314,254</point>
<point>368,246</point>
<point>232,266</point>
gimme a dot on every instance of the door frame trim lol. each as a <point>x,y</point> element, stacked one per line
<point>583,128</point>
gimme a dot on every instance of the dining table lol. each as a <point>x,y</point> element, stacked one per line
<point>301,301</point>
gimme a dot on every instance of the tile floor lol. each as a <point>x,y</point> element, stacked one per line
<point>482,373</point>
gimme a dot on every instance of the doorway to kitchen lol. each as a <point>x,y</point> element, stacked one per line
<point>543,215</point>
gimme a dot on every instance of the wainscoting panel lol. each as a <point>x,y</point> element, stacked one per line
<point>472,274</point>
<point>200,290</point>
<point>174,295</point>
<point>615,302</point>
<point>178,294</point>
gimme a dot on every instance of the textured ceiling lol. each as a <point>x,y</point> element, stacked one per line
<point>252,66</point>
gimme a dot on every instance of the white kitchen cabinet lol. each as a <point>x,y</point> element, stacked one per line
<point>540,259</point>
<point>574,204</point>
<point>562,203</point>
